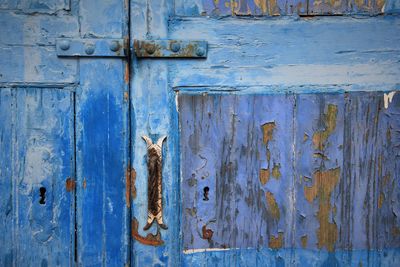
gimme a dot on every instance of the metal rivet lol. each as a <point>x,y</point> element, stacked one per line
<point>64,45</point>
<point>200,51</point>
<point>89,49</point>
<point>114,46</point>
<point>150,48</point>
<point>175,47</point>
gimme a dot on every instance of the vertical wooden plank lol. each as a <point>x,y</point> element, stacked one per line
<point>374,171</point>
<point>102,142</point>
<point>239,148</point>
<point>154,115</point>
<point>7,108</point>
<point>319,171</point>
<point>41,161</point>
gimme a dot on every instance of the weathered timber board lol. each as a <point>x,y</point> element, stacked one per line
<point>307,172</point>
<point>36,152</point>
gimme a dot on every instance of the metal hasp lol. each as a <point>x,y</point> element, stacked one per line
<point>170,49</point>
<point>67,47</point>
<point>154,186</point>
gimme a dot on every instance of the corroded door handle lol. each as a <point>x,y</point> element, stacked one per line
<point>154,186</point>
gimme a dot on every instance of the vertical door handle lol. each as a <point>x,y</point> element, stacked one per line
<point>154,183</point>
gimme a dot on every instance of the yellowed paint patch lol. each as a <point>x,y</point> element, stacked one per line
<point>304,240</point>
<point>381,198</point>
<point>261,4</point>
<point>273,207</point>
<point>264,176</point>
<point>268,129</point>
<point>324,184</point>
<point>276,171</point>
<point>320,137</point>
<point>276,242</point>
<point>305,137</point>
<point>273,9</point>
<point>395,231</point>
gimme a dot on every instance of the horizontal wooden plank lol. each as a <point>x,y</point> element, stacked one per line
<point>287,52</point>
<point>220,8</point>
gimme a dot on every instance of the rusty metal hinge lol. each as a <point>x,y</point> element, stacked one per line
<point>68,47</point>
<point>170,49</point>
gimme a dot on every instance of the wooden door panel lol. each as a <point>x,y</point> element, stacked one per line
<point>38,161</point>
<point>287,173</point>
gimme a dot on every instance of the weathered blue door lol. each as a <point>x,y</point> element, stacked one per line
<point>199,133</point>
<point>63,133</point>
<point>282,144</point>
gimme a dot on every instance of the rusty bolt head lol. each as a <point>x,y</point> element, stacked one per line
<point>89,49</point>
<point>150,48</point>
<point>175,47</point>
<point>114,46</point>
<point>64,44</point>
<point>200,51</point>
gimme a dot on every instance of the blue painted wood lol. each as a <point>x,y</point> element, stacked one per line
<point>102,144</point>
<point>153,116</point>
<point>249,179</point>
<point>291,53</point>
<point>221,8</point>
<point>27,44</point>
<point>337,195</point>
<point>37,150</point>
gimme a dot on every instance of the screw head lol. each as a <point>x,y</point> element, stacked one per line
<point>175,47</point>
<point>64,44</point>
<point>200,51</point>
<point>150,48</point>
<point>89,49</point>
<point>114,46</point>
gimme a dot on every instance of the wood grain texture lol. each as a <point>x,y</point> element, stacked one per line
<point>154,114</point>
<point>296,54</point>
<point>241,211</point>
<point>102,143</point>
<point>37,150</point>
<point>334,201</point>
<point>221,8</point>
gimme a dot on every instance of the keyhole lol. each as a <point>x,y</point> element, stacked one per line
<point>205,193</point>
<point>42,195</point>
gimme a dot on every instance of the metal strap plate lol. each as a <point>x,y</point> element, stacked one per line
<point>67,47</point>
<point>170,49</point>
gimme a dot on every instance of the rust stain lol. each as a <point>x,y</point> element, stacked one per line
<point>273,207</point>
<point>324,183</point>
<point>264,176</point>
<point>133,183</point>
<point>207,233</point>
<point>126,74</point>
<point>304,240</point>
<point>130,188</point>
<point>276,242</point>
<point>320,137</point>
<point>126,96</point>
<point>84,183</point>
<point>276,171</point>
<point>268,129</point>
<point>128,185</point>
<point>70,184</point>
<point>150,239</point>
